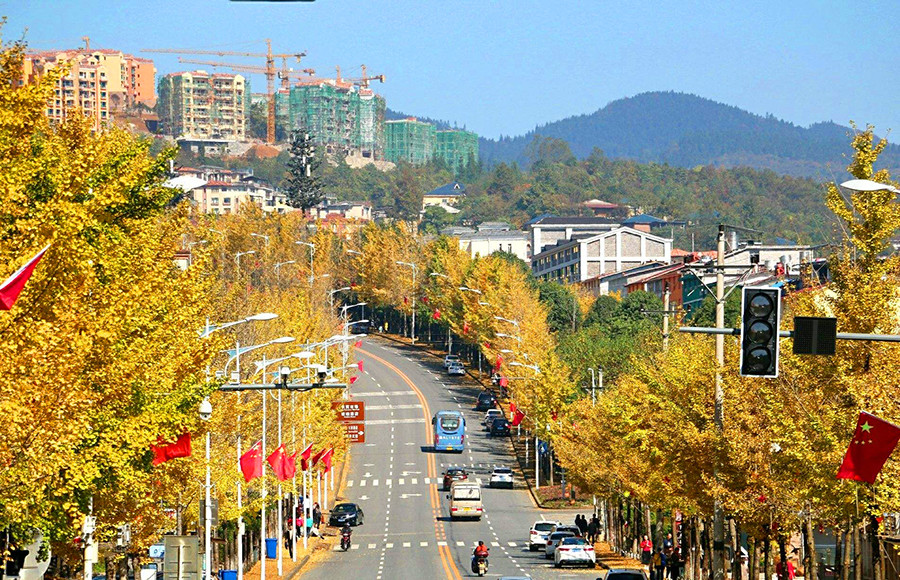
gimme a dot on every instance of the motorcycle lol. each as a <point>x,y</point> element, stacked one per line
<point>345,541</point>
<point>480,565</point>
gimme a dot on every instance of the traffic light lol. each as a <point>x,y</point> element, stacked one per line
<point>760,320</point>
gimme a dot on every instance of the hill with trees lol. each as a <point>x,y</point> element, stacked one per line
<point>686,131</point>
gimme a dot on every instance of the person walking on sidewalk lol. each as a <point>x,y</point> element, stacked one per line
<point>658,565</point>
<point>646,551</point>
<point>581,522</point>
<point>592,529</point>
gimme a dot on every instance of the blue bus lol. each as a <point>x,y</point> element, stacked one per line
<point>449,431</point>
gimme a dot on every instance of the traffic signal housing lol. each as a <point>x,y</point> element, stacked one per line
<point>760,322</point>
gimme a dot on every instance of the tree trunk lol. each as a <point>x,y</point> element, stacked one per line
<point>877,570</point>
<point>753,553</point>
<point>647,522</point>
<point>660,533</point>
<point>838,553</point>
<point>847,562</point>
<point>735,550</point>
<point>782,553</point>
<point>812,566</point>
<point>767,561</point>
<point>857,552</point>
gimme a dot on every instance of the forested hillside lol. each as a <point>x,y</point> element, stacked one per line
<point>686,131</point>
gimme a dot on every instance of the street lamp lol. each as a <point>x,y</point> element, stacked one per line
<point>237,260</point>
<point>434,274</point>
<point>415,269</point>
<point>467,289</point>
<point>205,414</point>
<point>484,303</point>
<point>331,294</point>
<point>312,251</point>
<point>209,329</point>
<point>278,268</point>
<point>349,251</point>
<point>863,185</point>
<point>264,237</point>
<point>535,368</point>
<point>513,322</point>
<point>191,250</point>
<point>504,335</point>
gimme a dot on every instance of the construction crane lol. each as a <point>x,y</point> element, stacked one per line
<point>285,74</point>
<point>269,70</point>
<point>362,81</point>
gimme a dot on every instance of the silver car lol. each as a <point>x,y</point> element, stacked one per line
<point>553,541</point>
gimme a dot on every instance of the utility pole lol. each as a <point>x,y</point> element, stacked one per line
<point>718,555</point>
<point>666,295</point>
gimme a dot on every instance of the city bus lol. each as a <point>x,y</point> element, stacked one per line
<point>449,431</point>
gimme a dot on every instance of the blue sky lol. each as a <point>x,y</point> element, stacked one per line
<point>502,67</point>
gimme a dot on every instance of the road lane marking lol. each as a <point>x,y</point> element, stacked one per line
<point>394,421</point>
<point>362,483</point>
<point>392,407</point>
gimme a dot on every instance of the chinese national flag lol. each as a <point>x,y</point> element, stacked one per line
<point>425,299</point>
<point>360,365</point>
<point>436,315</point>
<point>276,461</point>
<point>518,415</point>
<point>357,344</point>
<point>12,287</point>
<point>326,459</point>
<point>354,378</point>
<point>290,466</point>
<point>164,452</point>
<point>405,300</point>
<point>317,457</point>
<point>465,328</point>
<point>504,382</point>
<point>304,457</point>
<point>251,462</point>
<point>873,442</point>
<point>499,362</point>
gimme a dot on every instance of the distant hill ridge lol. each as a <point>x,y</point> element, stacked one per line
<point>686,130</point>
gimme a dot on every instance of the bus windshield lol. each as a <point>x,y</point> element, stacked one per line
<point>449,423</point>
<point>449,431</point>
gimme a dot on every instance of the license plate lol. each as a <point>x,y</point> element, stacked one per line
<point>576,550</point>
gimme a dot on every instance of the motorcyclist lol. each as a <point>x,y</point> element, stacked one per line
<point>346,531</point>
<point>481,552</point>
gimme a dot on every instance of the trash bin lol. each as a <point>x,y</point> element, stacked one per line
<point>228,574</point>
<point>271,548</point>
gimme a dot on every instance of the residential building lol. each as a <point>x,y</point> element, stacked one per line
<point>340,116</point>
<point>605,209</point>
<point>199,107</point>
<point>445,196</point>
<point>349,210</point>
<point>547,230</point>
<point>222,191</point>
<point>409,140</point>
<point>98,83</point>
<point>490,237</point>
<point>585,256</point>
<point>457,148</point>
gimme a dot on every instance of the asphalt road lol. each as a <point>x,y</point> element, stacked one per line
<point>396,478</point>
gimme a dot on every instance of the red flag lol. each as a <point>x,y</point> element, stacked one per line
<point>436,315</point>
<point>504,382</point>
<point>425,299</point>
<point>354,378</point>
<point>517,418</point>
<point>317,457</point>
<point>276,461</point>
<point>512,408</point>
<point>873,442</point>
<point>357,344</point>
<point>360,365</point>
<point>499,362</point>
<point>465,328</point>
<point>405,300</point>
<point>290,466</point>
<point>326,459</point>
<point>12,287</point>
<point>251,462</point>
<point>304,457</point>
<point>180,448</point>
<point>487,345</point>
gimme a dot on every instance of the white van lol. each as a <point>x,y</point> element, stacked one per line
<point>465,500</point>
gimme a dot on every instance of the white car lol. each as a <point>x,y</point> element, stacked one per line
<point>575,551</point>
<point>540,531</point>
<point>491,415</point>
<point>456,369</point>
<point>554,540</point>
<point>502,477</point>
<point>450,358</point>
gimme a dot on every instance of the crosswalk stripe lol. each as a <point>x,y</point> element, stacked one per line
<point>511,544</point>
<point>460,544</point>
<point>362,483</point>
<point>388,483</point>
<point>401,481</point>
<point>427,481</point>
<point>423,544</point>
<point>371,546</point>
<point>478,480</point>
<point>442,543</point>
<point>354,547</point>
<point>374,483</point>
<point>350,483</point>
<point>495,544</point>
<point>389,546</point>
<point>414,481</point>
<point>407,545</point>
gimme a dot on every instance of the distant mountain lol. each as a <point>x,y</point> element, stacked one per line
<point>686,130</point>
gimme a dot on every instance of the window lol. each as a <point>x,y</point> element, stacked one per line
<point>227,201</point>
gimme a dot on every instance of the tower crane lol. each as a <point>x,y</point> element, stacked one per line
<point>269,70</point>
<point>362,81</point>
<point>285,74</point>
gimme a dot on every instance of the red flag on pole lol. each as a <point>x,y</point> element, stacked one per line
<point>304,457</point>
<point>354,378</point>
<point>357,344</point>
<point>317,457</point>
<point>251,462</point>
<point>425,299</point>
<point>465,328</point>
<point>873,442</point>
<point>504,382</point>
<point>163,452</point>
<point>360,365</point>
<point>436,315</point>
<point>518,415</point>
<point>276,461</point>
<point>290,466</point>
<point>12,287</point>
<point>326,459</point>
<point>499,362</point>
<point>405,300</point>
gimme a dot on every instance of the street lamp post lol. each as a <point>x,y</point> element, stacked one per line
<point>331,294</point>
<point>278,268</point>
<point>191,250</point>
<point>415,270</point>
<point>205,414</point>
<point>237,260</point>
<point>312,251</point>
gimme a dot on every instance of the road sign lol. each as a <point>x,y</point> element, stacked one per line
<point>355,432</point>
<point>350,410</point>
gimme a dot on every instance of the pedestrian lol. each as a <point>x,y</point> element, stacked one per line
<point>646,551</point>
<point>288,540</point>
<point>659,565</point>
<point>656,565</point>
<point>667,544</point>
<point>317,515</point>
<point>674,563</point>
<point>592,529</point>
<point>581,522</point>
<point>790,569</point>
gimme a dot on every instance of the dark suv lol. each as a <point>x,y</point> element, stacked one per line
<point>499,426</point>
<point>486,400</point>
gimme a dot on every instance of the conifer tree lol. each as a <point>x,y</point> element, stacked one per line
<point>304,187</point>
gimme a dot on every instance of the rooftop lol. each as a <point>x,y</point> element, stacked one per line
<point>643,219</point>
<point>451,189</point>
<point>574,221</point>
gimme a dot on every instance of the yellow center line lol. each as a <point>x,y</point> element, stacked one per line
<point>447,561</point>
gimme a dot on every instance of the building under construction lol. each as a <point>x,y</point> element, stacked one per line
<point>344,118</point>
<point>198,106</point>
<point>457,148</point>
<point>416,142</point>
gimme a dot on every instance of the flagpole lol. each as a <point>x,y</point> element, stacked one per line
<point>262,510</point>
<point>294,484</point>
<point>280,525</point>
<point>240,519</point>
<point>305,498</point>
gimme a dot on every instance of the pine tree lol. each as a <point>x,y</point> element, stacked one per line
<point>304,188</point>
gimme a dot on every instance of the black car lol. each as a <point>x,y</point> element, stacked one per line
<point>454,474</point>
<point>500,426</point>
<point>486,400</point>
<point>346,513</point>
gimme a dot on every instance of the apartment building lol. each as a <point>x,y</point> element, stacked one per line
<point>99,82</point>
<point>219,190</point>
<point>199,106</point>
<point>456,148</point>
<point>409,140</point>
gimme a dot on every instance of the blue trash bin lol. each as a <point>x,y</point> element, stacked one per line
<point>228,574</point>
<point>271,548</point>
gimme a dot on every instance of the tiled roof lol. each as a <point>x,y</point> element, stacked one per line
<point>575,221</point>
<point>451,189</point>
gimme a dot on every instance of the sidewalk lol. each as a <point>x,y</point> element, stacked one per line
<point>607,558</point>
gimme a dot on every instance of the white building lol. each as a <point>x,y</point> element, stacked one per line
<point>549,230</point>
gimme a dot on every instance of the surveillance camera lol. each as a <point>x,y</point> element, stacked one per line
<point>775,448</point>
<point>285,371</point>
<point>206,410</point>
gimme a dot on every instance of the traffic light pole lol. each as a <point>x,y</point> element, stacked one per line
<point>718,555</point>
